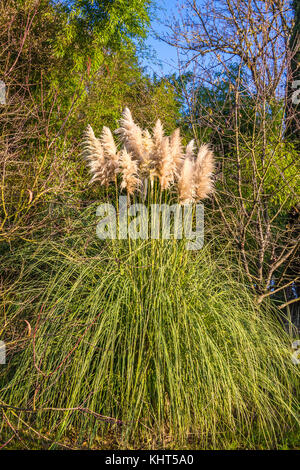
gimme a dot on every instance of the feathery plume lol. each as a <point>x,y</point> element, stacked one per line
<point>158,133</point>
<point>176,150</point>
<point>157,150</point>
<point>146,163</point>
<point>108,143</point>
<point>144,156</point>
<point>131,135</point>
<point>93,153</point>
<point>204,167</point>
<point>186,187</point>
<point>129,170</point>
<point>167,167</point>
<point>190,149</point>
<point>147,143</point>
<point>111,155</point>
<point>126,124</point>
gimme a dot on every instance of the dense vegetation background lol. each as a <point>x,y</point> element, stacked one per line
<point>66,64</point>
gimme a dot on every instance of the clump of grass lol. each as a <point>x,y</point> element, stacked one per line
<point>163,342</point>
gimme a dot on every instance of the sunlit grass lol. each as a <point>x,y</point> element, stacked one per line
<point>165,342</point>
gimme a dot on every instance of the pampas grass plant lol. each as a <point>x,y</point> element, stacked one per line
<point>142,343</point>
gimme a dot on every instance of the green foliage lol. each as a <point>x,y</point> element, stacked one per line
<point>90,31</point>
<point>76,65</point>
<point>121,83</point>
<point>164,340</point>
<point>271,163</point>
<point>257,130</point>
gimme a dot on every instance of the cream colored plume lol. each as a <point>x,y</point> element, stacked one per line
<point>146,163</point>
<point>93,153</point>
<point>108,143</point>
<point>186,188</point>
<point>144,156</point>
<point>131,135</point>
<point>111,154</point>
<point>167,167</point>
<point>129,171</point>
<point>176,150</point>
<point>204,167</point>
<point>101,155</point>
<point>163,164</point>
<point>158,133</point>
<point>147,144</point>
<point>190,149</point>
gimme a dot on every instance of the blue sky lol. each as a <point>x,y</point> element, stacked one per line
<point>166,56</point>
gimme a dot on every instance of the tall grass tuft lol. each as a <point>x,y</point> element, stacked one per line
<point>163,342</point>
